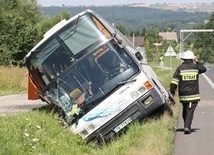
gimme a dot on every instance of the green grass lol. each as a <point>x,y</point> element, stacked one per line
<point>41,132</point>
<point>168,63</point>
<point>166,73</point>
<point>13,80</point>
<point>38,132</point>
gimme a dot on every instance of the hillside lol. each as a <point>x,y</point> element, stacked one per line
<point>189,7</point>
<point>138,17</point>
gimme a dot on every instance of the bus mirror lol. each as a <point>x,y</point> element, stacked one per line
<point>139,56</point>
<point>120,41</point>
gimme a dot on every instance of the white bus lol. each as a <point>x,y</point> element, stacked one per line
<point>94,76</point>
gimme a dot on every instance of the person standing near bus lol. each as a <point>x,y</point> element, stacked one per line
<point>186,79</point>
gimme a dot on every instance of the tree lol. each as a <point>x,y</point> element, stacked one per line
<point>204,42</point>
<point>143,32</point>
<point>122,29</point>
<point>22,26</point>
<point>18,33</point>
<point>149,53</point>
<point>47,22</point>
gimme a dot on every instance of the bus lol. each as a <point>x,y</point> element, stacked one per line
<point>94,76</point>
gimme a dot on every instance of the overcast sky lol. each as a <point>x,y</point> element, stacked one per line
<point>112,2</point>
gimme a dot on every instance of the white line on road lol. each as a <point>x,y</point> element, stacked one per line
<point>208,80</point>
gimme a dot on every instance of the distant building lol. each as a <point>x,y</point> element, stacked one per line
<point>169,36</point>
<point>137,41</point>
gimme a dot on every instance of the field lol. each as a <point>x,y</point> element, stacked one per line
<point>13,80</point>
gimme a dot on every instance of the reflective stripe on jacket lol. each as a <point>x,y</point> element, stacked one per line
<point>188,98</point>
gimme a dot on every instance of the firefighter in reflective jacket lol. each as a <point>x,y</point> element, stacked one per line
<point>186,79</point>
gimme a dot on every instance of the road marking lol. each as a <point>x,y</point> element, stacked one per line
<point>208,80</point>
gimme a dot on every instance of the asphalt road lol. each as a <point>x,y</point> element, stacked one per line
<point>17,103</point>
<point>201,140</point>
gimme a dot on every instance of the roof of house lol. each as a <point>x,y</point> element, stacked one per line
<point>170,36</point>
<point>138,41</point>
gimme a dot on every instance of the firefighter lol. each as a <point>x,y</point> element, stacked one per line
<point>186,79</point>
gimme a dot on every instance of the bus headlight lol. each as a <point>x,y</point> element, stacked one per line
<point>134,94</point>
<point>137,93</point>
<point>142,90</point>
<point>86,131</point>
<point>90,128</point>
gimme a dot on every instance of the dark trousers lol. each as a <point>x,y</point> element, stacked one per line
<point>188,113</point>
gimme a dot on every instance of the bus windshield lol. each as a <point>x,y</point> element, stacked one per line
<point>91,78</point>
<point>80,65</point>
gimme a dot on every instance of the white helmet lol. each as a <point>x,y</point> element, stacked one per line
<point>188,55</point>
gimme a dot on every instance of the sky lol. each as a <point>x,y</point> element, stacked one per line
<point>112,2</point>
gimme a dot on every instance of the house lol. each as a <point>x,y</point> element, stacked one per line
<point>137,41</point>
<point>169,36</point>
